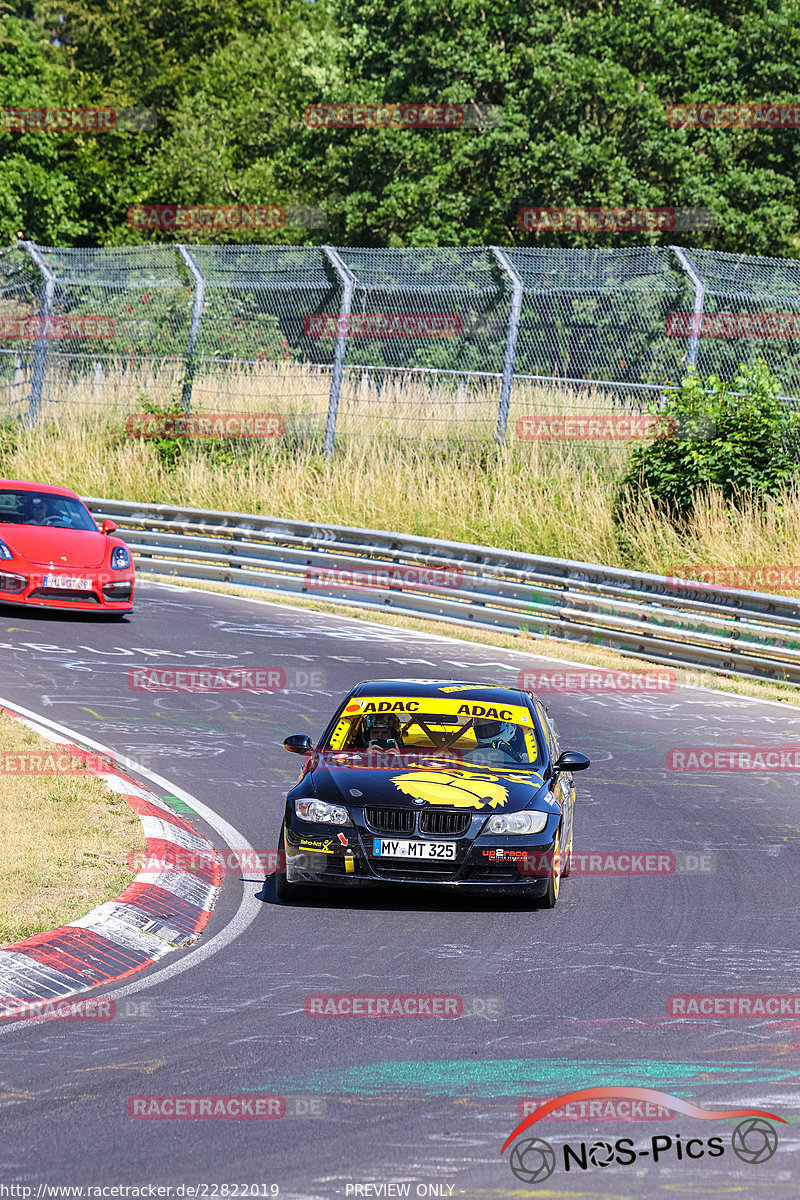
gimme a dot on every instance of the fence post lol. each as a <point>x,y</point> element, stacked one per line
<point>348,281</point>
<point>45,311</point>
<point>511,342</point>
<point>194,325</point>
<point>697,305</point>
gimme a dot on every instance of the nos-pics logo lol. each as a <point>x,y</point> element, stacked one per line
<point>533,1160</point>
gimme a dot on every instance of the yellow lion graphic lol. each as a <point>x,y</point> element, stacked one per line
<point>457,789</point>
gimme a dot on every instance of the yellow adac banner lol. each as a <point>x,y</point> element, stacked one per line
<point>445,706</point>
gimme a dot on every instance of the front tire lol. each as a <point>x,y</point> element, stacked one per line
<point>285,891</point>
<point>550,897</point>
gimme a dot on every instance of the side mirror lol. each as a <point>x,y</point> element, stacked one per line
<point>108,526</point>
<point>298,743</point>
<point>571,760</point>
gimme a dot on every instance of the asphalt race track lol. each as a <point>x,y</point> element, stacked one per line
<point>562,1000</point>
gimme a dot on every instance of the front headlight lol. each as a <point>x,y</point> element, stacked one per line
<point>530,821</point>
<point>4,550</point>
<point>320,813</point>
<point>120,558</point>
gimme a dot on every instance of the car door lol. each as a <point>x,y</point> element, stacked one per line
<point>564,786</point>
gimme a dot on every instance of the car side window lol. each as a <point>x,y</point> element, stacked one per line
<point>549,731</point>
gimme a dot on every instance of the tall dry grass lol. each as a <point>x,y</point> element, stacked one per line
<point>410,457</point>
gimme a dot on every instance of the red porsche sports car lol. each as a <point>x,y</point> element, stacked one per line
<point>52,554</point>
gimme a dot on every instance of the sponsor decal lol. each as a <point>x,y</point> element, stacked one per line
<point>436,705</point>
<point>319,845</point>
<point>456,789</point>
<point>504,855</point>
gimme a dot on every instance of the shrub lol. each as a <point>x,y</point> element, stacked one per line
<point>738,437</point>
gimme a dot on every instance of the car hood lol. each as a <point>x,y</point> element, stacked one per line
<point>47,546</point>
<point>456,787</point>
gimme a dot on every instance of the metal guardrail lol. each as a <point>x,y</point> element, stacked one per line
<point>645,616</point>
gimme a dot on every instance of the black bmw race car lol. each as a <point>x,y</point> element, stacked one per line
<point>428,782</point>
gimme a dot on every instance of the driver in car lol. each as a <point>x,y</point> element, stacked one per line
<point>497,741</point>
<point>382,732</point>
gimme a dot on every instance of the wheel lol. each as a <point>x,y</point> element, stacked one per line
<point>568,856</point>
<point>550,897</point>
<point>285,891</point>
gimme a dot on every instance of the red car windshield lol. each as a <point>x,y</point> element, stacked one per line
<point>43,508</point>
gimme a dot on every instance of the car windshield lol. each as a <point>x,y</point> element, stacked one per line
<point>43,508</point>
<point>481,734</point>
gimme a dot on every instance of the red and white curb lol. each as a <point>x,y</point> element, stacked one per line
<point>158,912</point>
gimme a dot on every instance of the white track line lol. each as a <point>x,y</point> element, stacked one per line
<point>441,637</point>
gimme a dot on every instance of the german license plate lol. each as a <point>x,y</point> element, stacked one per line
<point>72,582</point>
<point>391,848</point>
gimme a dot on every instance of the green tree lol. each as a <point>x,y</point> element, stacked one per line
<point>738,437</point>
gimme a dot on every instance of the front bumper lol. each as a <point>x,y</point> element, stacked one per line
<point>489,863</point>
<point>107,592</point>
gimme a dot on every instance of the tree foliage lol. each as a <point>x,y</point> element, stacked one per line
<point>582,88</point>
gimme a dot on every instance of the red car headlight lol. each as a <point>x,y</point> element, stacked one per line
<point>12,583</point>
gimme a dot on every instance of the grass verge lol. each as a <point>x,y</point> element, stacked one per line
<point>66,841</point>
<point>537,497</point>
